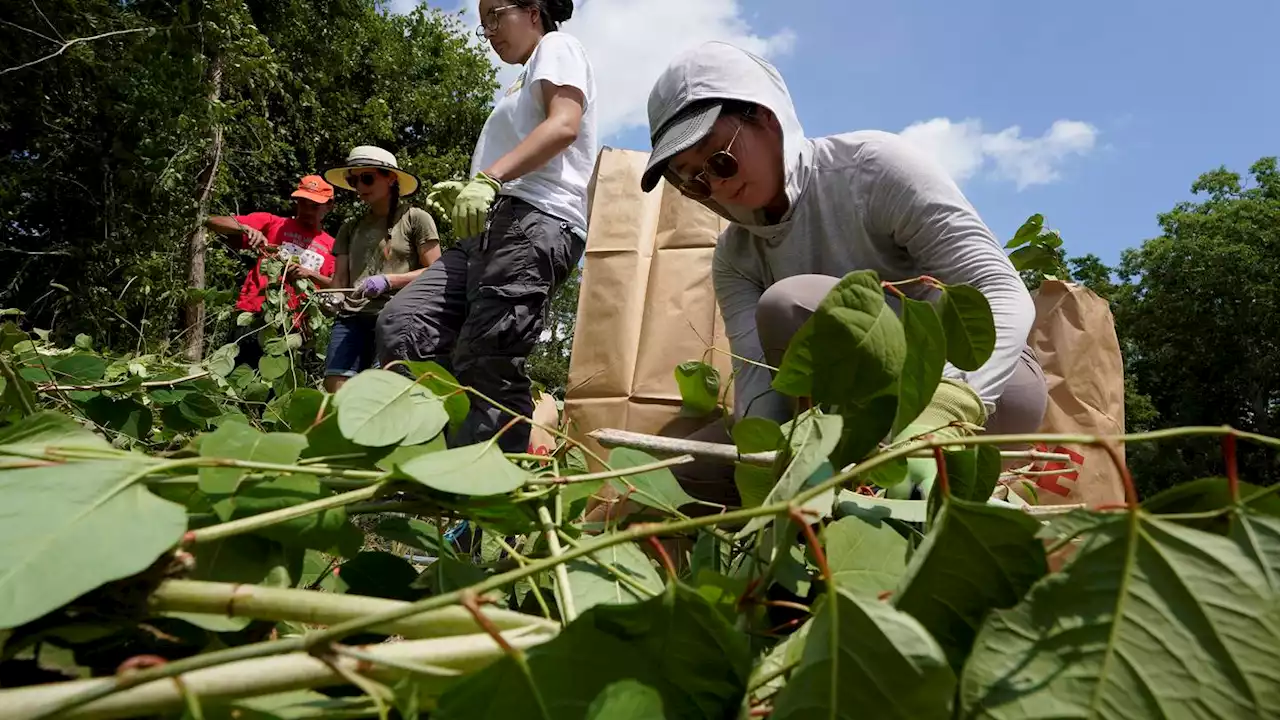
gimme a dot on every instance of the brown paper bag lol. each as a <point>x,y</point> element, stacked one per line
<point>646,303</point>
<point>1075,339</point>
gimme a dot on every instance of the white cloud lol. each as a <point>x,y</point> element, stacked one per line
<point>630,43</point>
<point>965,150</point>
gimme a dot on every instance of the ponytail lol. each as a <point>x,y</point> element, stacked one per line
<point>394,207</point>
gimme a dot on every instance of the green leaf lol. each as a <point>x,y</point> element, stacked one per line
<point>199,408</point>
<point>378,408</point>
<point>626,700</point>
<point>795,374</point>
<point>753,435</point>
<point>722,592</point>
<point>223,360</point>
<point>1032,257</point>
<point>1258,536</point>
<point>70,528</point>
<point>1151,619</point>
<point>316,566</point>
<point>862,658</point>
<point>84,342</point>
<point>699,385</point>
<point>972,474</point>
<point>787,653</point>
<point>970,329</point>
<point>859,346</point>
<point>655,488</point>
<point>47,430</point>
<point>444,385</point>
<point>448,574</point>
<point>431,416</point>
<point>417,534</point>
<point>302,408</point>
<point>236,441</point>
<point>240,559</point>
<point>815,437</point>
<point>864,427</point>
<point>1029,231</point>
<point>926,357</point>
<point>273,366</point>
<point>1207,495</point>
<point>593,585</point>
<point>866,557</point>
<point>245,319</point>
<point>125,416</point>
<point>327,530</point>
<point>378,574</point>
<point>475,470</point>
<point>888,474</point>
<point>976,559</point>
<point>675,643</point>
<point>79,368</point>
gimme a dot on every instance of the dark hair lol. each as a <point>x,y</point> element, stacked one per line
<point>552,12</point>
<point>394,206</point>
<point>740,109</point>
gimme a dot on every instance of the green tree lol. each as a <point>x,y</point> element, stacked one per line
<point>106,149</point>
<point>1200,316</point>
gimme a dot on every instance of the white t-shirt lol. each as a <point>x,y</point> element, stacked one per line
<point>558,188</point>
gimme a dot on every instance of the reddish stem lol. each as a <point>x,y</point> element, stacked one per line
<point>793,623</point>
<point>1130,493</point>
<point>1233,468</point>
<point>884,596</point>
<point>788,605</point>
<point>748,596</point>
<point>943,481</point>
<point>893,288</point>
<point>472,604</point>
<point>818,555</point>
<point>762,711</point>
<point>656,544</point>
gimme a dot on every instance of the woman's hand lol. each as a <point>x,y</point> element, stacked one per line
<point>472,205</point>
<point>373,286</point>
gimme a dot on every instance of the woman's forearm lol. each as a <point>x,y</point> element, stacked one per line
<point>400,280</point>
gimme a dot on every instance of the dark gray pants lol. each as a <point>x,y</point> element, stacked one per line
<point>479,310</point>
<point>782,309</point>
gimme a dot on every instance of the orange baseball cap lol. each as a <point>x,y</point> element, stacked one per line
<point>315,189</point>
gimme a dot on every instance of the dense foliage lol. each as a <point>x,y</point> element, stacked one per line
<point>107,149</point>
<point>263,579</point>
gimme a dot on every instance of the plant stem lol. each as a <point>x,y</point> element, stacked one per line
<point>108,386</point>
<point>609,568</point>
<point>140,695</point>
<point>15,382</point>
<point>406,665</point>
<point>637,470</point>
<point>565,591</point>
<point>275,517</point>
<point>316,608</point>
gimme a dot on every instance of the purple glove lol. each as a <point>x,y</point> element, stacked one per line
<point>374,286</point>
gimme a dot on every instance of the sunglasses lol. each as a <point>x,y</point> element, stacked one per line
<point>366,178</point>
<point>721,166</point>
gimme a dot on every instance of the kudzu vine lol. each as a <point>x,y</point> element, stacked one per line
<point>252,582</point>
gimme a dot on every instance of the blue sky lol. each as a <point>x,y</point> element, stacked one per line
<point>1145,95</point>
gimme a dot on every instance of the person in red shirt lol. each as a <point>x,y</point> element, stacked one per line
<point>300,239</point>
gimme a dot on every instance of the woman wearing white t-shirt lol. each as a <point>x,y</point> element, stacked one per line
<point>521,219</point>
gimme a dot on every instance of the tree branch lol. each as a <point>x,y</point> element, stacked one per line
<point>67,45</point>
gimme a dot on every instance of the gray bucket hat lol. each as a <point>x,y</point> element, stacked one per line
<point>679,134</point>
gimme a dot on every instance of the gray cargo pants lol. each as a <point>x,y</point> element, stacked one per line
<point>479,310</point>
<point>782,309</point>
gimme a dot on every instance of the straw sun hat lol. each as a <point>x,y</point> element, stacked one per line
<point>370,157</point>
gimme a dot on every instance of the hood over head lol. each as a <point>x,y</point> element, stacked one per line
<point>685,103</point>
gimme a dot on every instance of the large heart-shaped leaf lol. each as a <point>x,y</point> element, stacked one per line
<point>444,385</point>
<point>595,584</point>
<point>926,357</point>
<point>814,438</point>
<point>675,643</point>
<point>70,528</point>
<point>862,659</point>
<point>1151,619</point>
<point>237,441</point>
<point>858,343</point>
<point>976,559</point>
<point>654,488</point>
<point>125,415</point>
<point>970,329</point>
<point>377,574</point>
<point>866,557</point>
<point>626,700</point>
<point>795,373</point>
<point>972,473</point>
<point>475,470</point>
<point>699,385</point>
<point>378,408</point>
<point>1029,231</point>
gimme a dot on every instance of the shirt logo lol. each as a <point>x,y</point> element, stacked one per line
<point>515,86</point>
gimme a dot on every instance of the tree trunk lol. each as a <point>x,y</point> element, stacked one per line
<point>194,349</point>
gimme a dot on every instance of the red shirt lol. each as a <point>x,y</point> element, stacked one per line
<point>312,249</point>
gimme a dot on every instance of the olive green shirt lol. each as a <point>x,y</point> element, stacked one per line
<point>371,250</point>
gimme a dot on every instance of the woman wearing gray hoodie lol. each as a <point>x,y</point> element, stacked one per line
<point>804,212</point>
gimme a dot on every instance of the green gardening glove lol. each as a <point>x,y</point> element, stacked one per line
<point>472,206</point>
<point>442,196</point>
<point>953,401</point>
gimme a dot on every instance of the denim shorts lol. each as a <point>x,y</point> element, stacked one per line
<point>350,345</point>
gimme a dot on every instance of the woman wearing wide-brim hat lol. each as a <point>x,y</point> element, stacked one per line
<point>377,253</point>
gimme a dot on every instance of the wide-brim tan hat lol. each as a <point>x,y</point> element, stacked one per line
<point>371,157</point>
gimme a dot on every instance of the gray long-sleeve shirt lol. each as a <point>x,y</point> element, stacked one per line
<point>862,200</point>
